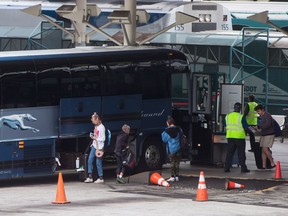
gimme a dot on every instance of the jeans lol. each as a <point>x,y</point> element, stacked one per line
<point>98,163</point>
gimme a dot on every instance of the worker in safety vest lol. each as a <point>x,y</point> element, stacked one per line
<point>235,134</point>
<point>251,117</point>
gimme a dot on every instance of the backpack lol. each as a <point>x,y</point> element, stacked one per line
<point>129,160</point>
<point>277,128</point>
<point>183,140</point>
<point>107,137</point>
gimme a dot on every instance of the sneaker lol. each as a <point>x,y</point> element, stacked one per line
<point>99,181</point>
<point>120,180</point>
<point>171,179</point>
<point>176,178</point>
<point>88,180</point>
<point>245,171</point>
<point>81,169</point>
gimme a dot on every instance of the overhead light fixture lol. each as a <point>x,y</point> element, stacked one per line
<point>120,17</point>
<point>37,11</point>
<point>142,16</point>
<point>93,10</point>
<point>204,17</point>
<point>263,17</point>
<point>66,9</point>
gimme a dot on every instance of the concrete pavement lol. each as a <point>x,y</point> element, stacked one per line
<point>280,153</point>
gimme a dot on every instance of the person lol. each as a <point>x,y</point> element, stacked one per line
<point>120,150</point>
<point>235,134</point>
<point>97,146</point>
<point>172,136</point>
<point>251,117</point>
<point>267,135</point>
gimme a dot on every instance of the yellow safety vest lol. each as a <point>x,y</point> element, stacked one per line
<point>234,128</point>
<point>251,117</point>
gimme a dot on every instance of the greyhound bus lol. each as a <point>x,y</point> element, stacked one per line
<point>48,96</point>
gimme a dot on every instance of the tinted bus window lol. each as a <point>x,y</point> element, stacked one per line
<point>18,90</point>
<point>150,80</point>
<point>52,85</point>
<point>86,81</point>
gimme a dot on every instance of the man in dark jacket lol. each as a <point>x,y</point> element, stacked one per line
<point>267,135</point>
<point>172,136</point>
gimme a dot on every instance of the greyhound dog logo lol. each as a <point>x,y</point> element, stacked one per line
<point>16,121</point>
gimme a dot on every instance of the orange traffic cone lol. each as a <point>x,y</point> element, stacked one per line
<point>202,190</point>
<point>232,185</point>
<point>60,195</point>
<point>278,174</point>
<point>157,179</point>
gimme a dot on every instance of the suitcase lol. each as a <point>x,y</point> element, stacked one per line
<point>258,156</point>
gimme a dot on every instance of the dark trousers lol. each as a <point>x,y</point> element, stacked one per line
<point>252,139</point>
<point>240,145</point>
<point>119,158</point>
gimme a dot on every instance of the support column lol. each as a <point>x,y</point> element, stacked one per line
<point>131,28</point>
<point>82,6</point>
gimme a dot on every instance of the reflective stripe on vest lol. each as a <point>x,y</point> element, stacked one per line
<point>234,128</point>
<point>251,117</point>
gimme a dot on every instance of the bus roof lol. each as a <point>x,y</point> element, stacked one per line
<point>52,53</point>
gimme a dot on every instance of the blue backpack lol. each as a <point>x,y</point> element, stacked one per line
<point>107,137</point>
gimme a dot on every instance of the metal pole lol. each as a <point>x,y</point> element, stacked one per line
<point>82,5</point>
<point>131,28</point>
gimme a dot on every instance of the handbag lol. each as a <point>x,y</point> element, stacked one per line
<point>99,153</point>
<point>129,160</point>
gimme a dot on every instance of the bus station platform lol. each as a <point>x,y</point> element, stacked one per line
<point>279,153</point>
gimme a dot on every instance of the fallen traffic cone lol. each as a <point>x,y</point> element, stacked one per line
<point>278,174</point>
<point>202,190</point>
<point>157,179</point>
<point>60,194</point>
<point>232,185</point>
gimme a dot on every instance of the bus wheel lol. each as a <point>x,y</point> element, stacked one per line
<point>152,158</point>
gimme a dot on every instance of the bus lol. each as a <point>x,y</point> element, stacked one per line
<point>47,98</point>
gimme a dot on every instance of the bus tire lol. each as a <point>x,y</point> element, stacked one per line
<point>152,157</point>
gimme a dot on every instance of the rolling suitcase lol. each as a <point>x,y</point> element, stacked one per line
<point>258,156</point>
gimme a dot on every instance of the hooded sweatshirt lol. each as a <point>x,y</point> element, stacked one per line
<point>171,136</point>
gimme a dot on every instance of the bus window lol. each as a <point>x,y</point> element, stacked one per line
<point>18,90</point>
<point>86,81</point>
<point>145,78</point>
<point>53,85</point>
<point>180,87</point>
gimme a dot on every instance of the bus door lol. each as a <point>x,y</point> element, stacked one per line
<point>230,94</point>
<point>75,115</point>
<point>122,109</point>
<point>205,108</point>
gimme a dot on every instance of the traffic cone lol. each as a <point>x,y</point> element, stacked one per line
<point>278,174</point>
<point>60,194</point>
<point>232,185</point>
<point>157,179</point>
<point>202,190</point>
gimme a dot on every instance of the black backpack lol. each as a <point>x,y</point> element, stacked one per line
<point>183,139</point>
